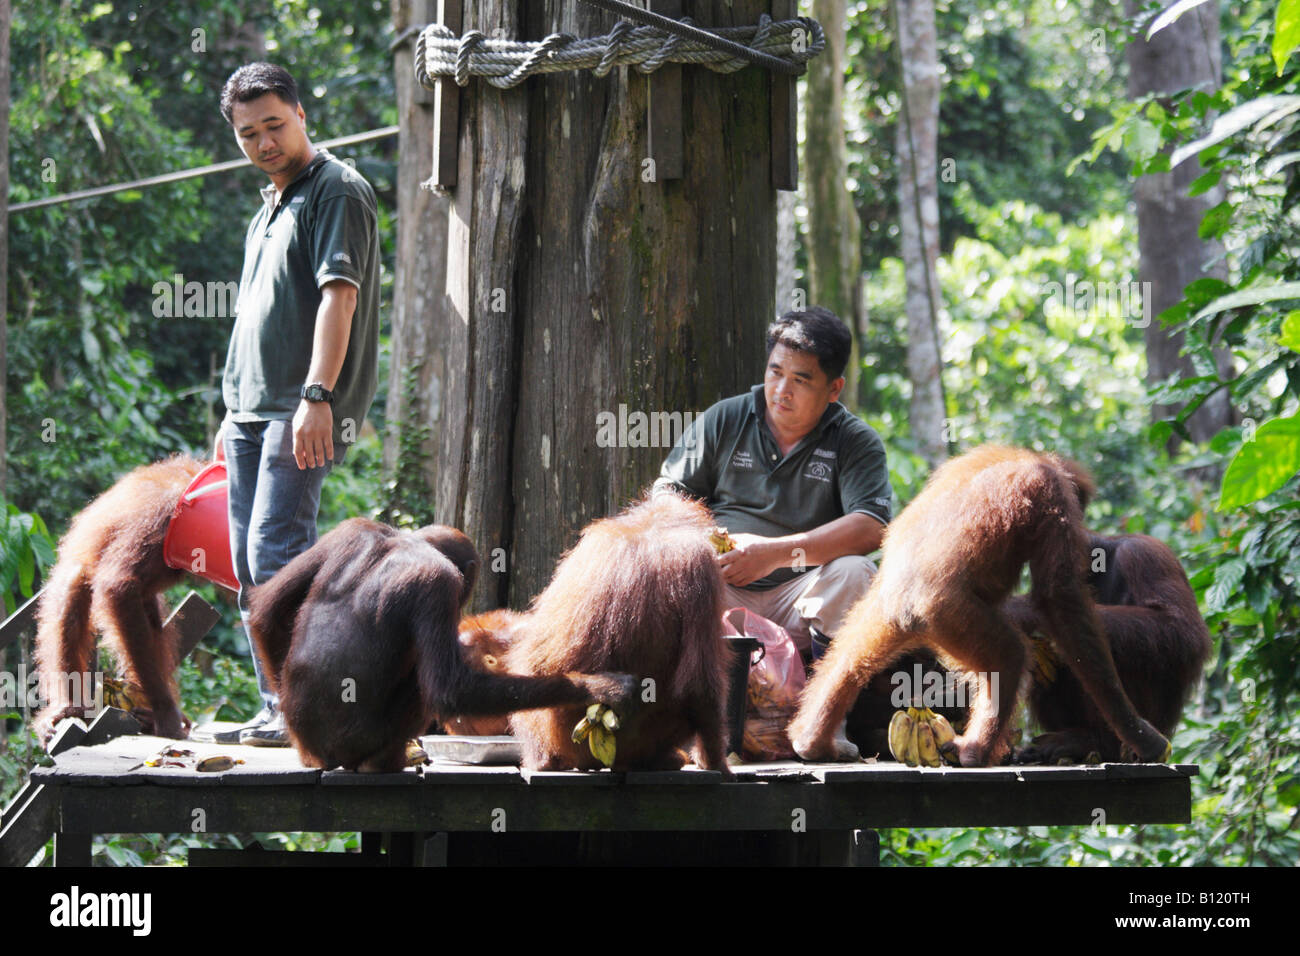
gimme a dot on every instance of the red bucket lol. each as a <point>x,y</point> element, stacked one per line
<point>198,536</point>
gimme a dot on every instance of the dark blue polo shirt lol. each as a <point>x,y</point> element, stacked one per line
<point>730,459</point>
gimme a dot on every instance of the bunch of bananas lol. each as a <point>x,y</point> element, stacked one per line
<point>916,736</point>
<point>720,540</point>
<point>124,695</point>
<point>597,728</point>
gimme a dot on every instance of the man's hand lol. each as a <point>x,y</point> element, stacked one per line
<point>313,434</point>
<point>752,557</point>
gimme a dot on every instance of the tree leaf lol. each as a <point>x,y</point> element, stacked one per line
<point>1286,32</point>
<point>1291,331</point>
<point>1264,465</point>
<point>1204,183</point>
<point>1227,577</point>
<point>1264,110</point>
<point>1171,13</point>
<point>1216,221</point>
<point>1255,296</point>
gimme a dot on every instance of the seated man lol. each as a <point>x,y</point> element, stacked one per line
<point>797,480</point>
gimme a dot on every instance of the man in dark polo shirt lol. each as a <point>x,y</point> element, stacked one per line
<point>301,370</point>
<point>798,481</point>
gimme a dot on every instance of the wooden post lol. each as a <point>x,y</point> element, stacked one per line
<point>667,145</point>
<point>421,15</point>
<point>446,107</point>
<point>785,116</point>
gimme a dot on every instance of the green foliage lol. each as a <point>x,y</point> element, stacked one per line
<point>26,548</point>
<point>1022,83</point>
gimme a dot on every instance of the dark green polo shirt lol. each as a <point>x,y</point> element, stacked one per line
<point>729,458</point>
<point>324,227</point>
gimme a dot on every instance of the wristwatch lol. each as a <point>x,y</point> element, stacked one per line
<point>316,392</point>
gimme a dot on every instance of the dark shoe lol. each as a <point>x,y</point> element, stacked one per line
<point>271,734</point>
<point>231,736</point>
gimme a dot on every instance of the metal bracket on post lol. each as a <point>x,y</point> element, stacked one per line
<point>667,142</point>
<point>446,106</point>
<point>785,116</point>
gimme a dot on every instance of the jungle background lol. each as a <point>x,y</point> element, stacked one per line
<point>1043,145</point>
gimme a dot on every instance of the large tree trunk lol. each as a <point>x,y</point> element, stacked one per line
<point>576,287</point>
<point>834,242</point>
<point>918,215</point>
<point>420,280</point>
<point>1183,55</point>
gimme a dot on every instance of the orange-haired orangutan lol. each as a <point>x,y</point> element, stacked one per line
<point>640,592</point>
<point>110,577</point>
<point>949,562</point>
<point>358,636</point>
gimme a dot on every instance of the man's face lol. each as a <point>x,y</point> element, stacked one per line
<point>272,134</point>
<point>797,391</point>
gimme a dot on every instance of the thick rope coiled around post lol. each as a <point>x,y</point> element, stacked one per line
<point>507,63</point>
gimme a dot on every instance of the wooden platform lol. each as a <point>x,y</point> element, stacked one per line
<point>107,788</point>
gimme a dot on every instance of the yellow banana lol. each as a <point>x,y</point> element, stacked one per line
<point>926,751</point>
<point>581,730</point>
<point>601,742</point>
<point>594,712</point>
<point>900,731</point>
<point>720,540</point>
<point>610,720</point>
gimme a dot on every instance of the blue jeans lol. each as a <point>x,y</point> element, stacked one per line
<point>272,508</point>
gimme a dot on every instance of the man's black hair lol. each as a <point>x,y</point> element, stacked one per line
<point>254,80</point>
<point>818,331</point>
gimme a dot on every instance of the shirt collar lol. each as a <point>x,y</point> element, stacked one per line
<point>268,191</point>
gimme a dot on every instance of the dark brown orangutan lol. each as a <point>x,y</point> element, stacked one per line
<point>109,577</point>
<point>359,636</point>
<point>640,592</point>
<point>1157,639</point>
<point>949,562</point>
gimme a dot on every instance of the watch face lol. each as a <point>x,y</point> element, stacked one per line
<point>316,393</point>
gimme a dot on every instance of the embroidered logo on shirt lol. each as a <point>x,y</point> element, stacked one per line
<point>342,257</point>
<point>818,471</point>
<point>824,452</point>
<point>742,460</point>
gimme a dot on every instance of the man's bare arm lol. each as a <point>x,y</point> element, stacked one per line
<point>755,557</point>
<point>313,423</point>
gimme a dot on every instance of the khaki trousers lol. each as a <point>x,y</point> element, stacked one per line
<point>820,596</point>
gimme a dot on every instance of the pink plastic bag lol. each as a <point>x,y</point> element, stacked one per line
<point>776,680</point>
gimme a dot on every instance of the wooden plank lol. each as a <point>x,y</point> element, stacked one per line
<point>667,139</point>
<point>759,804</point>
<point>672,777</point>
<point>864,849</point>
<point>446,106</point>
<point>571,778</point>
<point>421,15</point>
<point>29,821</point>
<point>259,857</point>
<point>109,724</point>
<point>20,621</point>
<point>72,849</point>
<point>351,778</point>
<point>456,773</point>
<point>71,732</point>
<point>193,619</point>
<point>785,118</point>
